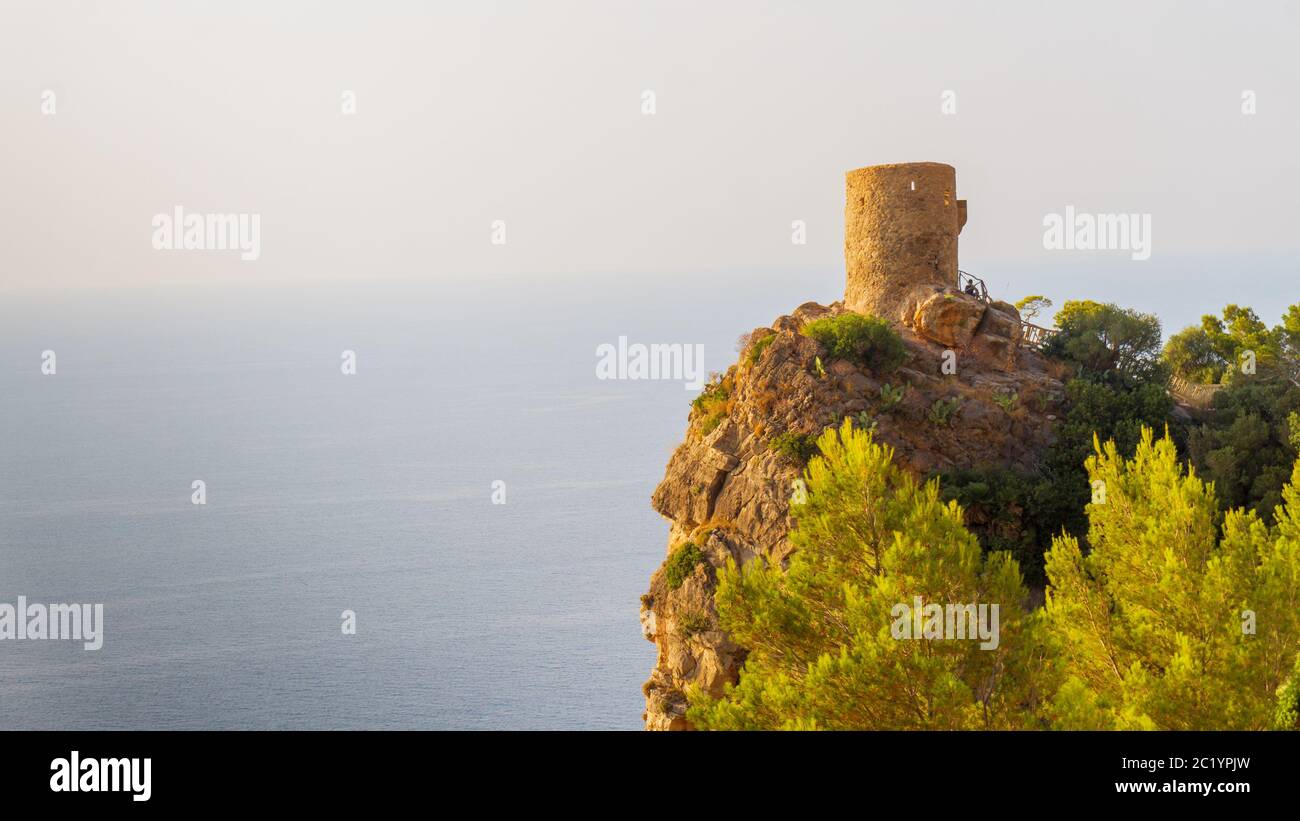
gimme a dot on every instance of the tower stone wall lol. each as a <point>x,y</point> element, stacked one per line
<point>900,236</point>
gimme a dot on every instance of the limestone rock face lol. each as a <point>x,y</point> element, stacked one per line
<point>997,340</point>
<point>989,332</point>
<point>1004,320</point>
<point>949,317</point>
<point>995,351</point>
<point>727,492</point>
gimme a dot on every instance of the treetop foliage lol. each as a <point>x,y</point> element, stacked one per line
<point>1165,624</point>
<point>1105,341</point>
<point>821,654</point>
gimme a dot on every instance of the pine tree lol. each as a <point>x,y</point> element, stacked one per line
<point>1166,624</point>
<point>820,633</point>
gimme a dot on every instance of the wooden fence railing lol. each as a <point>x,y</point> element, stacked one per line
<point>1035,336</point>
<point>1193,394</point>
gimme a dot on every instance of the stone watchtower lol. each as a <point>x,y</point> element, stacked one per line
<point>900,236</point>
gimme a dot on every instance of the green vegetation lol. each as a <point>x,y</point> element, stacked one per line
<point>1248,444</point>
<point>1246,447</point>
<point>1118,388</point>
<point>1107,342</point>
<point>1012,512</point>
<point>681,564</point>
<point>1287,714</point>
<point>891,397</point>
<point>865,340</point>
<point>799,447</point>
<point>756,349</point>
<point>1170,597</point>
<point>692,623</point>
<point>819,368</point>
<point>1214,351</point>
<point>821,654</point>
<point>865,421</point>
<point>714,402</point>
<point>941,412</point>
<point>1166,624</point>
<point>1020,512</point>
<point>1099,408</point>
<point>1031,306</point>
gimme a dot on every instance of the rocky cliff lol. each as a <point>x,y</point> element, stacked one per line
<point>727,487</point>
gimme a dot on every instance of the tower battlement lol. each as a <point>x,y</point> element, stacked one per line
<point>901,224</point>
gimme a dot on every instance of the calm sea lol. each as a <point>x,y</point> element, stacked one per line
<point>326,493</point>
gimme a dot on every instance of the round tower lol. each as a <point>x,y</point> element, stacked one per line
<point>900,236</point>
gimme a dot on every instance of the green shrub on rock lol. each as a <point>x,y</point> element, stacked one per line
<point>681,564</point>
<point>863,340</point>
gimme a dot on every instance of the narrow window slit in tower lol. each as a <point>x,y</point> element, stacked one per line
<point>913,185</point>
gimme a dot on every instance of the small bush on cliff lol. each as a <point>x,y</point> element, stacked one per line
<point>865,421</point>
<point>891,397</point>
<point>866,340</point>
<point>819,368</point>
<point>1166,624</point>
<point>799,447</point>
<point>718,389</point>
<point>713,403</point>
<point>681,564</point>
<point>756,349</point>
<point>941,412</point>
<point>692,623</point>
<point>822,654</point>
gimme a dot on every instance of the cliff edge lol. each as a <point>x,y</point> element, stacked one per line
<point>968,393</point>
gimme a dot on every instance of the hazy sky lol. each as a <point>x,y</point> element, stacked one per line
<point>531,113</point>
